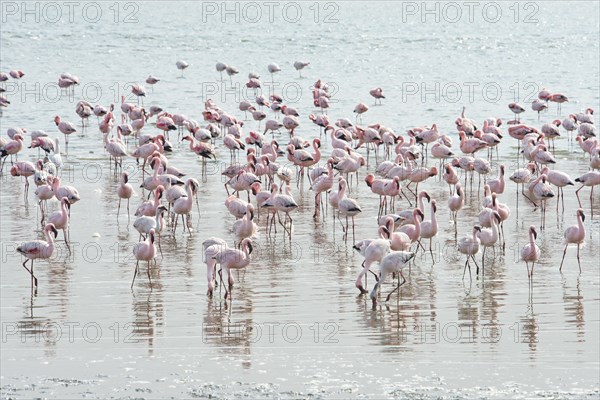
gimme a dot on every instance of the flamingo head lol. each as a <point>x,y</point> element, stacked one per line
<point>317,142</point>
<point>369,179</point>
<point>433,205</point>
<point>581,214</point>
<point>52,228</point>
<point>533,231</point>
<point>419,213</point>
<point>57,120</point>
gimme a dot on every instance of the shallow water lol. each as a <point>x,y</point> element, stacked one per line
<point>296,326</point>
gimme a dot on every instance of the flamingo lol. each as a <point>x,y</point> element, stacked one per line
<point>591,179</point>
<point>144,251</point>
<point>234,259</point>
<point>347,207</point>
<point>469,246</point>
<point>10,148</point>
<point>245,227</point>
<point>575,234</point>
<point>377,93</point>
<point>66,128</point>
<point>374,251</point>
<point>530,253</point>
<point>560,180</point>
<point>393,262</point>
<point>61,191</point>
<point>541,191</point>
<point>322,184</point>
<point>497,184</point>
<point>516,109</point>
<point>38,249</point>
<point>148,208</point>
<point>456,202</point>
<point>181,65</point>
<point>124,191</point>
<point>25,169</point>
<point>145,223</point>
<point>360,109</point>
<point>212,246</point>
<point>557,98</point>
<point>60,219</point>
<point>488,237</point>
<point>413,231</point>
<point>299,66</point>
<point>183,205</point>
<point>273,69</point>
<point>280,202</point>
<point>429,228</point>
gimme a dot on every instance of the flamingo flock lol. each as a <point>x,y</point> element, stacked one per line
<point>264,162</point>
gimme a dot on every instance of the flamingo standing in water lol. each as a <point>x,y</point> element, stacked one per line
<point>469,246</point>
<point>60,219</point>
<point>373,251</point>
<point>66,128</point>
<point>181,65</point>
<point>591,179</point>
<point>393,262</point>
<point>377,93</point>
<point>125,191</point>
<point>234,259</point>
<point>347,207</point>
<point>530,253</point>
<point>575,234</point>
<point>38,249</point>
<point>144,251</point>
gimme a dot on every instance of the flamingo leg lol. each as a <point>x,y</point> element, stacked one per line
<point>563,257</point>
<point>397,287</point>
<point>135,273</point>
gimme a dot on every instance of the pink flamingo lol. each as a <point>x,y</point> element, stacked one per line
<point>456,202</point>
<point>590,179</point>
<point>25,169</point>
<point>125,191</point>
<point>10,148</point>
<point>67,191</point>
<point>347,207</point>
<point>472,145</point>
<point>469,246</point>
<point>377,93</point>
<point>38,249</point>
<point>530,253</point>
<point>373,251</point>
<point>322,184</point>
<point>394,262</point>
<point>245,227</point>
<point>516,109</point>
<point>413,231</point>
<point>66,128</point>
<point>234,259</point>
<point>557,98</point>
<point>60,219</point>
<point>183,205</point>
<point>144,251</point>
<point>575,234</point>
<point>560,180</point>
<point>148,208</point>
<point>497,184</point>
<point>399,241</point>
<point>360,109</point>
